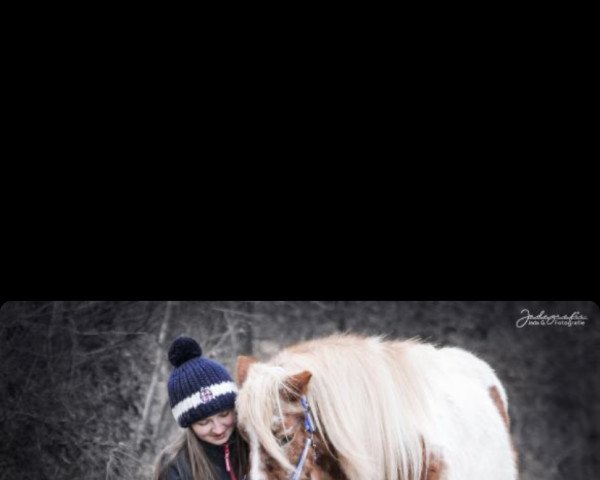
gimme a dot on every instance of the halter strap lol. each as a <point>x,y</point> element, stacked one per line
<point>309,426</point>
<point>300,466</point>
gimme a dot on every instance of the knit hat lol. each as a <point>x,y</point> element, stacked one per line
<point>198,387</point>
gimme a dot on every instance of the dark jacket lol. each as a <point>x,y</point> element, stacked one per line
<point>180,469</point>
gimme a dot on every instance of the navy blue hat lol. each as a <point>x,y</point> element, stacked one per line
<point>198,387</point>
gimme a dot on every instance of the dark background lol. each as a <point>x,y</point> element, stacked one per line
<point>83,384</point>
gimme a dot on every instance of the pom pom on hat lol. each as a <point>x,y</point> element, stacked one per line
<point>183,349</point>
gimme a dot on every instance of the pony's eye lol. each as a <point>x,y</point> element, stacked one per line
<point>282,441</point>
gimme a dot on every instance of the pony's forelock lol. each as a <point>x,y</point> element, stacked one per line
<point>257,404</point>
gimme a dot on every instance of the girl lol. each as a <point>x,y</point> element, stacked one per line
<point>202,397</point>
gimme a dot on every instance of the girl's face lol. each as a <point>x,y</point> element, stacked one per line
<point>216,429</point>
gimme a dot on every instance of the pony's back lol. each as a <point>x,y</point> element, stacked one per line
<point>472,428</point>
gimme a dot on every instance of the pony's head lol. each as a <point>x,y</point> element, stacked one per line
<point>276,418</point>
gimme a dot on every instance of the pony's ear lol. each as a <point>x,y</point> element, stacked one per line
<point>241,368</point>
<point>298,384</point>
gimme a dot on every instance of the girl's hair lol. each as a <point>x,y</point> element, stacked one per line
<point>196,456</point>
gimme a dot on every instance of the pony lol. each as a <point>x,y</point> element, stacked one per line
<point>352,407</point>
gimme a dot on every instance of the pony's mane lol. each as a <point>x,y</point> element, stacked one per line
<point>368,395</point>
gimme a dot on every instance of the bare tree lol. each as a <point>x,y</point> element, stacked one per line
<point>151,393</point>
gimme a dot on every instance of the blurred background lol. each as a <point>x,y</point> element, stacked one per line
<point>83,384</point>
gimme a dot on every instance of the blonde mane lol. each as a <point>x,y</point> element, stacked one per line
<point>369,396</point>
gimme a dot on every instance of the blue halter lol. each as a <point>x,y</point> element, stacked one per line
<point>309,426</point>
